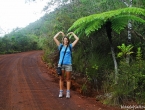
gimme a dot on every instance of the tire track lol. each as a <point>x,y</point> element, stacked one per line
<point>6,76</point>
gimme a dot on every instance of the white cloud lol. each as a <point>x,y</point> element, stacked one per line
<point>17,13</point>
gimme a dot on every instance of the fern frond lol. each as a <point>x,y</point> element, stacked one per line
<point>119,19</point>
<point>80,28</point>
<point>120,22</point>
<point>93,26</point>
<point>133,10</point>
<point>78,23</point>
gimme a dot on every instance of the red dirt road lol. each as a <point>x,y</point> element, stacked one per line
<point>26,85</point>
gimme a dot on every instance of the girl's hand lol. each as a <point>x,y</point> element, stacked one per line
<point>62,33</point>
<point>69,33</point>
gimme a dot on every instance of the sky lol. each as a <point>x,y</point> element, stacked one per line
<point>19,13</point>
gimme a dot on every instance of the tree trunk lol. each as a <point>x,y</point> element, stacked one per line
<point>115,65</point>
<point>125,2</point>
<point>129,28</point>
<point>129,33</point>
<point>109,30</point>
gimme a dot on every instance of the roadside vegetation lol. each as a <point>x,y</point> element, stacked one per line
<point>106,63</point>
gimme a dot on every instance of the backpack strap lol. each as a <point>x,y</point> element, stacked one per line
<point>70,50</point>
<point>60,49</point>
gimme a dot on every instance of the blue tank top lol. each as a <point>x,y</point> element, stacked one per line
<point>67,58</point>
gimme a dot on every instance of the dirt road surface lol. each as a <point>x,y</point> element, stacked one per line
<point>26,85</point>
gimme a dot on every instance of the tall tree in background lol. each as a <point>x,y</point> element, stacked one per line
<point>129,27</point>
<point>129,22</point>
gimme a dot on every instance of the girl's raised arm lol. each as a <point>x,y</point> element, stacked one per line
<point>76,38</point>
<point>55,37</point>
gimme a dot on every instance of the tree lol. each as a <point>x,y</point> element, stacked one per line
<point>129,27</point>
<point>129,22</point>
<point>115,20</point>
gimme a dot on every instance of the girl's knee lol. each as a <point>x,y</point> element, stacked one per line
<point>61,78</point>
<point>68,79</point>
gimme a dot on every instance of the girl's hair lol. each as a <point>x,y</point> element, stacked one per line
<point>67,39</point>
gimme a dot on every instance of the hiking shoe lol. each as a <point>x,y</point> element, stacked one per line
<point>60,93</point>
<point>68,94</point>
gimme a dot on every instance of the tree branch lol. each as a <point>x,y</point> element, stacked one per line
<point>139,35</point>
<point>125,3</point>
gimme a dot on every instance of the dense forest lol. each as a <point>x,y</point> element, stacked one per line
<point>110,54</point>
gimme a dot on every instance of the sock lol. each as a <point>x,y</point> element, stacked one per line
<point>60,90</point>
<point>68,90</point>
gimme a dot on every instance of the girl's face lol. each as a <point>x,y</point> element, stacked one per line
<point>65,41</point>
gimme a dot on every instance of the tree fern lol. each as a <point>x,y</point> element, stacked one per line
<point>114,20</point>
<point>119,19</point>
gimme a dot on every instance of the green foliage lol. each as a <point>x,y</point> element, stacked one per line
<point>84,89</point>
<point>139,54</point>
<point>94,22</point>
<point>119,23</point>
<point>125,50</point>
<point>131,84</point>
<point>18,42</point>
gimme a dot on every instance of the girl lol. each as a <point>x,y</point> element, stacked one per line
<point>67,60</point>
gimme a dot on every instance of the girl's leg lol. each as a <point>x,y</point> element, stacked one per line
<point>61,81</point>
<point>68,80</point>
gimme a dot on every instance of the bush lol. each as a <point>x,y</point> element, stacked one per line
<point>131,81</point>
